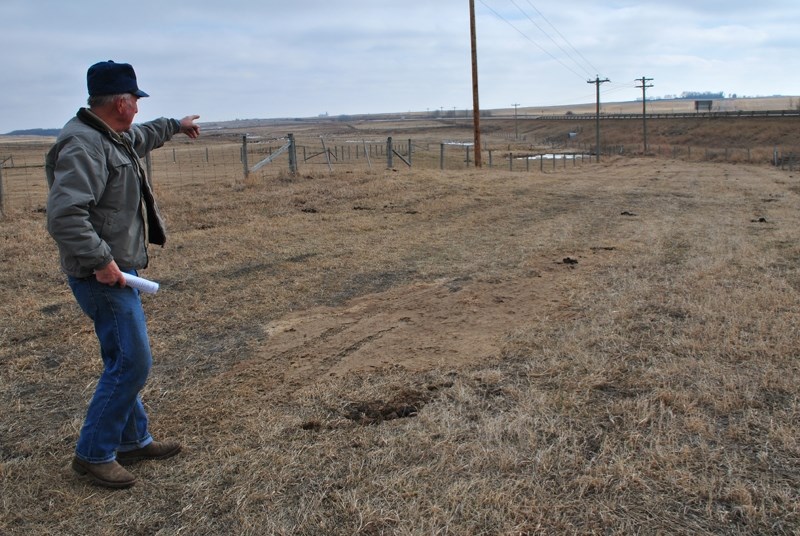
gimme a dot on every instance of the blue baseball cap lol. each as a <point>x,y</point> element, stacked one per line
<point>109,78</point>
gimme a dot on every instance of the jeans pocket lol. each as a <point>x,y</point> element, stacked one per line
<point>82,290</point>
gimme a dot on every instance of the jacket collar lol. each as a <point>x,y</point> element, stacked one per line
<point>90,118</point>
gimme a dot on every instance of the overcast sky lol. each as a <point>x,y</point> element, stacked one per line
<point>229,59</point>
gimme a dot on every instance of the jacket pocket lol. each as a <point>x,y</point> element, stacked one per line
<point>108,228</point>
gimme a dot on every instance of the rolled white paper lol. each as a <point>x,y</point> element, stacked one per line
<point>141,284</point>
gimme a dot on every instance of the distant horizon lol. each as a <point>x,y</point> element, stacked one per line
<point>522,109</point>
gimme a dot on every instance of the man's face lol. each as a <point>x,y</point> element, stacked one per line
<point>129,107</point>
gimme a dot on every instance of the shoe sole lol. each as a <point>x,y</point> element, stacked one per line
<point>136,459</point>
<point>87,475</point>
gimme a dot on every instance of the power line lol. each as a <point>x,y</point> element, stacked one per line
<point>593,68</point>
<point>523,34</point>
<point>614,88</point>
<point>566,53</point>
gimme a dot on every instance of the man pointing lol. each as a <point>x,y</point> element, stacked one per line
<point>102,214</point>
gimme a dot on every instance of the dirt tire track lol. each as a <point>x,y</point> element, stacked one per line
<point>448,323</point>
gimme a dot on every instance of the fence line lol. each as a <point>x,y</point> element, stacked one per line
<point>674,115</point>
<point>182,164</point>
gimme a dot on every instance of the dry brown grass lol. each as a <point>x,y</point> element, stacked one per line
<point>375,352</point>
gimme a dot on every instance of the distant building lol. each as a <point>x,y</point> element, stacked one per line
<point>703,105</point>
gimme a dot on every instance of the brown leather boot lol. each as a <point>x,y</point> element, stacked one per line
<point>157,450</point>
<point>109,474</point>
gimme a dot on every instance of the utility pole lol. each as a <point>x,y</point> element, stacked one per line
<point>644,87</point>
<point>516,127</point>
<point>476,111</point>
<point>597,83</point>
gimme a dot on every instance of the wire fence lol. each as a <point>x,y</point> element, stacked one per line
<point>235,160</point>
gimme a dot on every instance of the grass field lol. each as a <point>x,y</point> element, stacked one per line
<point>609,349</point>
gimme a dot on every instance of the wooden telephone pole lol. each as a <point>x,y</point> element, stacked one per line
<point>476,111</point>
<point>516,127</point>
<point>597,83</point>
<point>644,87</point>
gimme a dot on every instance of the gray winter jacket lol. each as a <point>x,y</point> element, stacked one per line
<point>100,206</point>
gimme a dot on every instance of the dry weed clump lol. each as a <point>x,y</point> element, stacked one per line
<point>641,378</point>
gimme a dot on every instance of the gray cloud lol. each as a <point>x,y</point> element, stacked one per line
<point>243,59</point>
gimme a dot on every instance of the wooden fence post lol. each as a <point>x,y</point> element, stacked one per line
<point>409,152</point>
<point>389,153</point>
<point>327,153</point>
<point>244,157</point>
<point>292,155</point>
<point>441,156</point>
<point>2,197</point>
<point>366,153</point>
<point>148,166</point>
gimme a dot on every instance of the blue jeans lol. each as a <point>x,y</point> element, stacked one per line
<point>116,419</point>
